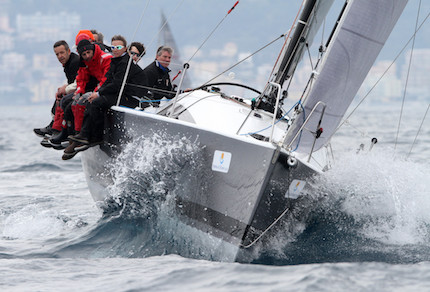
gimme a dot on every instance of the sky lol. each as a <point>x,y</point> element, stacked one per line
<point>252,24</point>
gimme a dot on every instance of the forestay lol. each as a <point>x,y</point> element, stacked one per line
<point>362,32</point>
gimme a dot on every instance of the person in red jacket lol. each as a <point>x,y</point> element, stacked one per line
<point>96,63</point>
<point>63,119</point>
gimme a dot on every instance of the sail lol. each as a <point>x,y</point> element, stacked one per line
<point>310,20</point>
<point>362,31</point>
<point>176,64</point>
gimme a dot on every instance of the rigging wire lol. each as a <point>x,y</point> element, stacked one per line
<point>309,55</point>
<point>231,67</point>
<point>121,90</point>
<point>140,20</point>
<point>164,24</point>
<point>419,129</point>
<point>244,59</point>
<point>211,33</point>
<point>134,35</point>
<point>308,87</point>
<point>383,74</point>
<point>407,78</point>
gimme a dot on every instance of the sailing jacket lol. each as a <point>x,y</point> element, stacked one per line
<point>98,66</point>
<point>114,79</point>
<point>156,77</point>
<point>71,68</point>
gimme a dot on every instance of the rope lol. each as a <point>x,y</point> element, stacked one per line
<point>267,229</point>
<point>150,100</point>
<point>407,79</point>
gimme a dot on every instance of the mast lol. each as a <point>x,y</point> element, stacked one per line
<point>311,18</point>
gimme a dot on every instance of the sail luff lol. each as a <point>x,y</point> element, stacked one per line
<point>359,37</point>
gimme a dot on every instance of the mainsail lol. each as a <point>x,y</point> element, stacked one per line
<point>362,32</point>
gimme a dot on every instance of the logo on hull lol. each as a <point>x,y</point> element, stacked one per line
<point>296,187</point>
<point>221,161</point>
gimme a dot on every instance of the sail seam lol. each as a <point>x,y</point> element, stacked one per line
<point>363,36</point>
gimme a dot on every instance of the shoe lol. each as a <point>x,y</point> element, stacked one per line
<point>73,149</point>
<point>70,151</point>
<point>56,140</point>
<point>82,147</point>
<point>41,132</point>
<point>52,133</point>
<point>92,144</point>
<point>67,156</point>
<point>79,138</point>
<point>86,146</point>
<point>45,143</point>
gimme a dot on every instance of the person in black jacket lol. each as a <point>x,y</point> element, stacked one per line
<point>99,102</point>
<point>99,40</point>
<point>157,75</point>
<point>136,51</point>
<point>70,62</point>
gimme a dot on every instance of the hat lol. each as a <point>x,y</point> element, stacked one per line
<point>85,45</point>
<point>84,35</point>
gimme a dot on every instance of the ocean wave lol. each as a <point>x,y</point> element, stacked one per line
<point>36,166</point>
<point>370,208</point>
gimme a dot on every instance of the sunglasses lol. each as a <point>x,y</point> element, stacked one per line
<point>119,47</point>
<point>134,53</point>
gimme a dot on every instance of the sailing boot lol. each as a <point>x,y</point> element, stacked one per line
<point>80,139</point>
<point>70,151</point>
<point>70,131</point>
<point>45,143</point>
<point>41,132</point>
<point>73,149</point>
<point>56,140</point>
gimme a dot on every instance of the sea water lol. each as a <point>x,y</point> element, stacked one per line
<point>370,233</point>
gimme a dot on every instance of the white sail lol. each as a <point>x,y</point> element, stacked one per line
<point>362,32</point>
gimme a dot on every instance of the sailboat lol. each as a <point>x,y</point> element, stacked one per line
<point>176,65</point>
<point>247,164</point>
